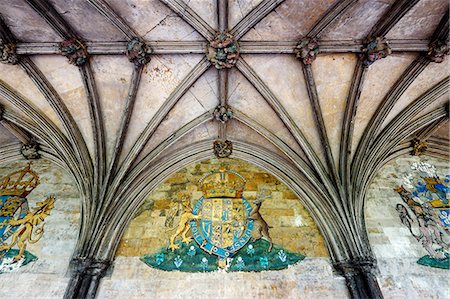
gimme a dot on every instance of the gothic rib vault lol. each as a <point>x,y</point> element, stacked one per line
<point>322,94</point>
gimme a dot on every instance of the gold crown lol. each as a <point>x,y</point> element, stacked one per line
<point>222,183</point>
<point>19,183</point>
<point>438,204</point>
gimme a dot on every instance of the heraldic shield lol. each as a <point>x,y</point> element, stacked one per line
<point>11,207</point>
<point>224,226</point>
<point>13,202</point>
<point>18,225</point>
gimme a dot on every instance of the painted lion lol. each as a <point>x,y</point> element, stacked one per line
<point>31,220</point>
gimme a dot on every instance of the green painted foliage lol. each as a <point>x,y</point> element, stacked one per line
<point>431,262</point>
<point>29,257</point>
<point>164,259</point>
<point>252,257</point>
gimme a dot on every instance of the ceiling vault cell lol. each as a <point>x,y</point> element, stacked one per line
<point>112,188</point>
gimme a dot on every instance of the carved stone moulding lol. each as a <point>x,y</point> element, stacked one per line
<point>364,264</point>
<point>222,149</point>
<point>138,52</point>
<point>75,51</point>
<point>375,49</point>
<point>307,50</point>
<point>8,52</point>
<point>419,147</point>
<point>223,113</point>
<point>437,51</point>
<point>360,277</point>
<point>223,51</point>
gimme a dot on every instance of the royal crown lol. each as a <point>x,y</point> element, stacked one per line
<point>19,183</point>
<point>222,183</point>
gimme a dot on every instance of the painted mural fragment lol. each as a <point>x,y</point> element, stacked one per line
<point>227,231</point>
<point>425,211</point>
<point>20,226</point>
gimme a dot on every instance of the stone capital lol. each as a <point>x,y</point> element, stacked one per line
<point>360,277</point>
<point>91,267</point>
<point>86,276</point>
<point>357,265</point>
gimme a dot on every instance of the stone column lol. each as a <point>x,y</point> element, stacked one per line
<point>85,278</point>
<point>360,278</point>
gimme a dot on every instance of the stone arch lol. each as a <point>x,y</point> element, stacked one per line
<point>155,174</point>
<point>128,267</point>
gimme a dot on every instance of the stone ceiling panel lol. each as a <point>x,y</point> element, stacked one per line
<point>6,137</point>
<point>207,131</point>
<point>443,131</point>
<point>200,98</point>
<point>25,23</point>
<point>81,15</point>
<point>159,79</point>
<point>420,21</point>
<point>357,22</point>
<point>289,21</point>
<point>153,20</point>
<point>207,10</point>
<point>333,75</point>
<point>245,98</point>
<point>238,9</point>
<point>239,131</point>
<point>290,89</point>
<point>377,84</point>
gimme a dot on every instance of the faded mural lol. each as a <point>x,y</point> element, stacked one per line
<point>425,211</point>
<point>20,225</point>
<point>226,215</point>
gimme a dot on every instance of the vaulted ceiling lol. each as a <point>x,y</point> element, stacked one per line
<point>273,64</point>
<point>331,121</point>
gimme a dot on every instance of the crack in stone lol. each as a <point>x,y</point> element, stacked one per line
<point>201,104</point>
<point>240,8</point>
<point>161,22</point>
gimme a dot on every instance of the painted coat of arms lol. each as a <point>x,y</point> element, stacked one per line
<point>19,225</point>
<point>425,211</point>
<point>224,226</point>
<point>226,231</point>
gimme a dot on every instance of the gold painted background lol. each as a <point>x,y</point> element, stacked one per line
<point>293,227</point>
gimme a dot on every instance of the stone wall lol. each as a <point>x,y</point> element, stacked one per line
<point>293,228</point>
<point>45,278</point>
<point>311,278</point>
<point>397,251</point>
